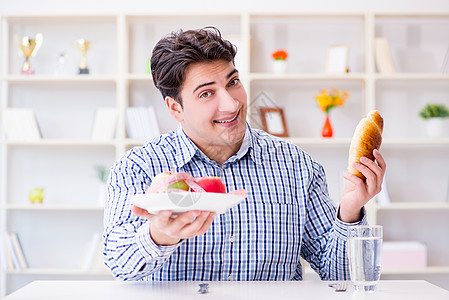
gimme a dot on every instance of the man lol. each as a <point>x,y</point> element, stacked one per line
<point>287,214</point>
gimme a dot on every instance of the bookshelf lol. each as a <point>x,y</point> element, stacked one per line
<point>63,160</point>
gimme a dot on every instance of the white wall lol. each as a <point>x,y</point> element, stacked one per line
<point>182,6</point>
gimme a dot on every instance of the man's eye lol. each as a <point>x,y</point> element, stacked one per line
<point>234,82</point>
<point>205,94</point>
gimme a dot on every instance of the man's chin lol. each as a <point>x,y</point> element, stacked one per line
<point>232,136</point>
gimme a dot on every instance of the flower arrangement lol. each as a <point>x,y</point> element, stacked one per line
<point>279,55</point>
<point>434,111</point>
<point>327,101</point>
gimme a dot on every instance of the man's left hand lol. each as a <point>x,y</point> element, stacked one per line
<point>358,192</point>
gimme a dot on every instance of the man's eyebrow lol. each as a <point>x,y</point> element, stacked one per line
<point>232,73</point>
<point>213,82</point>
<point>203,84</point>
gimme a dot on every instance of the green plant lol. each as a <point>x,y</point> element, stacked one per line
<point>434,111</point>
<point>101,173</point>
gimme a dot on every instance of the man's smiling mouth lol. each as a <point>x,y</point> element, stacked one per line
<point>228,121</point>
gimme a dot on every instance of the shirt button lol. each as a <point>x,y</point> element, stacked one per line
<point>229,277</point>
<point>232,239</point>
<point>223,167</point>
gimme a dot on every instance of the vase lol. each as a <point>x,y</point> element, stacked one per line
<point>279,66</point>
<point>327,128</point>
<point>435,127</point>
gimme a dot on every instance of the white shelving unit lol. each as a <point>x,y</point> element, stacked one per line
<point>417,175</point>
<point>54,234</point>
<point>45,207</point>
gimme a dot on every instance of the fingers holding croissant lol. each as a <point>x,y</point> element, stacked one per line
<point>366,138</point>
<point>373,172</point>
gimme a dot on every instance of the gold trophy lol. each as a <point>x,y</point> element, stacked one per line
<point>29,48</point>
<point>83,46</point>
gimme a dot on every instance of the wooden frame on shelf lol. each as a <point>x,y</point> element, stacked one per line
<point>273,121</point>
<point>337,59</point>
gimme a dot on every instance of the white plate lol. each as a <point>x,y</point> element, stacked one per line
<point>186,201</point>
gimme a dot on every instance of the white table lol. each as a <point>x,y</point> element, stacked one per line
<point>226,290</point>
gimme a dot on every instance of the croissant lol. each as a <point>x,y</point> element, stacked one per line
<point>366,138</point>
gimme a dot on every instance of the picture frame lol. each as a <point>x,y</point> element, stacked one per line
<point>337,59</point>
<point>273,121</point>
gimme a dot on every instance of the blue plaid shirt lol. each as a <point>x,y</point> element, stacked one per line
<point>287,215</point>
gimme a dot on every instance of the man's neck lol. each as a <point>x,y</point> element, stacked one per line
<point>220,154</point>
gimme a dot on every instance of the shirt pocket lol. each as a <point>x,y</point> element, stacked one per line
<point>279,224</point>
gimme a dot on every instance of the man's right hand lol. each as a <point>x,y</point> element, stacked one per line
<point>168,229</point>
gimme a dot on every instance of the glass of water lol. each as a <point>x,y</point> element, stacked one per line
<point>365,256</point>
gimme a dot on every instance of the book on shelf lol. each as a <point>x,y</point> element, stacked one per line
<point>12,252</point>
<point>3,263</point>
<point>18,250</point>
<point>21,124</point>
<point>239,61</point>
<point>12,260</point>
<point>98,264</point>
<point>447,192</point>
<point>383,198</point>
<point>142,123</point>
<point>105,124</point>
<point>7,251</point>
<point>93,257</point>
<point>90,251</point>
<point>404,255</point>
<point>382,54</point>
<point>445,66</point>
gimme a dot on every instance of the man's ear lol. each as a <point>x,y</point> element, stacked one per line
<point>174,108</point>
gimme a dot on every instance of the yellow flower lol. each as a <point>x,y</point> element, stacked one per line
<point>327,101</point>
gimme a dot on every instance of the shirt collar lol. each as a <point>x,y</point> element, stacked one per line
<point>245,144</point>
<point>254,147</point>
<point>187,149</point>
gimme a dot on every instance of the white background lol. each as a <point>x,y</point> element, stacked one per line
<point>398,161</point>
<point>142,6</point>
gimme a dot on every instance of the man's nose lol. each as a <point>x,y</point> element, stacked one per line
<point>227,102</point>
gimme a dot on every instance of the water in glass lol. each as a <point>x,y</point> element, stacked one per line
<point>365,255</point>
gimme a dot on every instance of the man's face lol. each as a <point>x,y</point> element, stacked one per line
<point>214,106</point>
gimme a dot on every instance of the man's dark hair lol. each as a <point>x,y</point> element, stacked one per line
<point>174,53</point>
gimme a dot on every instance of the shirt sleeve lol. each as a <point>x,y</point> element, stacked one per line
<point>129,251</point>
<point>325,236</point>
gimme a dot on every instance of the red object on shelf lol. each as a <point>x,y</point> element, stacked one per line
<point>327,128</point>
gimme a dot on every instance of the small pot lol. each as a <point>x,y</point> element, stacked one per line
<point>435,127</point>
<point>279,66</point>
